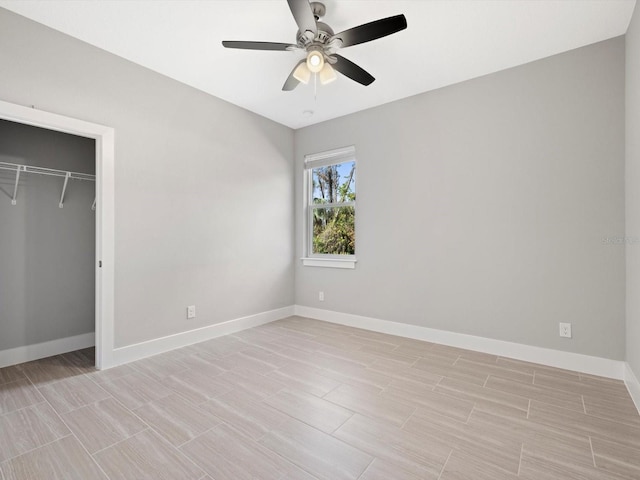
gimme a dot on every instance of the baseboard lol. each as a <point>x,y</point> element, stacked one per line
<point>13,356</point>
<point>555,358</point>
<point>137,351</point>
<point>633,385</point>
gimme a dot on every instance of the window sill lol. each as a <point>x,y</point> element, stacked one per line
<point>330,262</point>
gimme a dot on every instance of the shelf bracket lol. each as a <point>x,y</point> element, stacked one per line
<point>14,200</point>
<point>64,189</point>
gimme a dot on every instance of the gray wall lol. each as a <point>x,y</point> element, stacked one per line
<point>46,253</point>
<point>633,191</point>
<point>204,198</point>
<point>482,207</point>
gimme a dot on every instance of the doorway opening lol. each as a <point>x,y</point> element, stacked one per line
<point>104,230</point>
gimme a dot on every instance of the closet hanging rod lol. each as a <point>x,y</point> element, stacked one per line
<point>17,168</point>
<point>46,171</point>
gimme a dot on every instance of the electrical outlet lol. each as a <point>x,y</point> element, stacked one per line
<point>321,296</point>
<point>565,330</point>
<point>191,311</point>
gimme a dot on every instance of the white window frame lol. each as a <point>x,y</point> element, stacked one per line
<point>324,159</point>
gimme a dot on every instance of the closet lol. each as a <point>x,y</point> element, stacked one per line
<point>47,239</point>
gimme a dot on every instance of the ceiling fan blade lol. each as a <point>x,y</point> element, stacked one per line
<point>353,71</point>
<point>292,82</point>
<point>372,30</point>
<point>258,45</point>
<point>302,13</point>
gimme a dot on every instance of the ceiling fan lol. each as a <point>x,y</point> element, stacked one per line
<point>320,43</point>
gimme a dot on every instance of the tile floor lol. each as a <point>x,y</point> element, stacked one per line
<point>300,399</point>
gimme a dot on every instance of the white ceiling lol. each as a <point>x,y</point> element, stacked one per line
<point>447,41</point>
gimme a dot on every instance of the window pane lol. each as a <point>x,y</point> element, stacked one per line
<point>334,230</point>
<point>335,183</point>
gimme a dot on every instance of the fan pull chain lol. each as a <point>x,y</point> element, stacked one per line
<point>315,87</point>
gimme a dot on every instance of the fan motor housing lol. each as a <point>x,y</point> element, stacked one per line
<point>325,32</point>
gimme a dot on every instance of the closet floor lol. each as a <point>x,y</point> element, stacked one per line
<point>300,399</point>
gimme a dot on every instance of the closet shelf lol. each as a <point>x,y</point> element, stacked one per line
<point>18,169</point>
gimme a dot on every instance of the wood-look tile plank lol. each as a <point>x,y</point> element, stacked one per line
<point>461,466</point>
<point>358,377</point>
<point>29,428</point>
<point>72,393</point>
<point>247,414</point>
<point>314,411</point>
<point>177,420</point>
<point>357,356</point>
<point>401,358</point>
<point>615,458</point>
<point>135,390</point>
<point>251,382</point>
<point>240,360</point>
<point>103,424</point>
<point>381,470</point>
<point>370,334</point>
<point>18,394</point>
<point>161,366</point>
<point>197,385</point>
<point>227,455</point>
<point>11,374</point>
<point>412,388</point>
<point>417,349</point>
<point>468,366</point>
<point>557,450</point>
<point>320,454</point>
<point>102,376</point>
<point>305,378</point>
<point>619,410</point>
<point>503,453</point>
<point>537,469</point>
<point>391,409</point>
<point>220,346</point>
<point>443,404</point>
<point>560,398</point>
<point>416,454</point>
<point>528,367</point>
<point>539,440</point>
<point>525,430</point>
<point>484,398</point>
<point>84,359</point>
<point>603,382</point>
<point>268,357</point>
<point>427,411</point>
<point>64,459</point>
<point>582,388</point>
<point>146,456</point>
<point>375,346</point>
<point>402,372</point>
<point>583,424</point>
<point>49,370</point>
<point>444,367</point>
<point>255,335</point>
<point>205,362</point>
<point>298,345</point>
<point>340,343</point>
<point>479,357</point>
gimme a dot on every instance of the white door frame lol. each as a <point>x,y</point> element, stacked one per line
<point>105,253</point>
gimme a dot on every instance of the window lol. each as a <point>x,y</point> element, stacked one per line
<point>330,192</point>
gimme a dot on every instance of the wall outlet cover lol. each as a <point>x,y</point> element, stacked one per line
<point>191,311</point>
<point>565,330</point>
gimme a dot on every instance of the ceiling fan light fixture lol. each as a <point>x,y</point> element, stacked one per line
<point>302,73</point>
<point>315,61</point>
<point>327,74</point>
